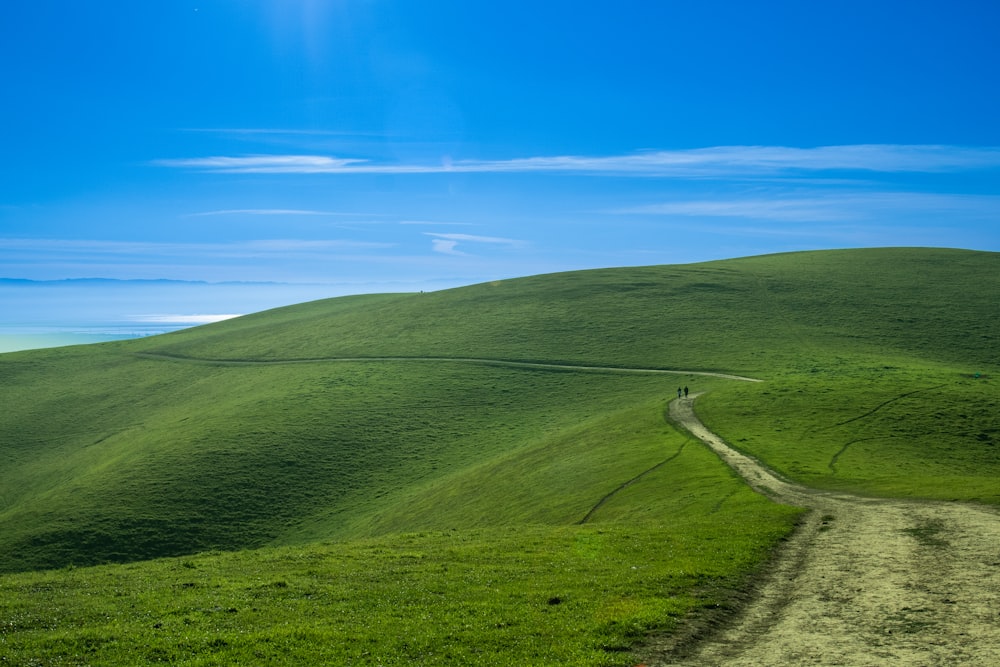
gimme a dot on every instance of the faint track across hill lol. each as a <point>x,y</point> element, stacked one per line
<point>885,403</point>
<point>621,487</point>
<point>465,360</point>
<point>863,581</point>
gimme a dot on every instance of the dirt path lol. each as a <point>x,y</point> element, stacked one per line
<point>163,356</point>
<point>863,582</point>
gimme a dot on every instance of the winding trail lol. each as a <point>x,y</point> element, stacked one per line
<point>863,581</point>
<point>162,356</point>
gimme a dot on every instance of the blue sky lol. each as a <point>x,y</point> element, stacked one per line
<point>378,145</point>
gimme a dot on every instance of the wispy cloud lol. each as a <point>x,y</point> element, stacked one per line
<point>249,248</point>
<point>475,238</point>
<point>437,223</point>
<point>803,209</point>
<point>827,207</point>
<point>265,164</point>
<point>445,247</point>
<point>266,211</point>
<point>280,131</point>
<point>690,163</point>
<point>183,319</point>
<point>447,243</point>
<point>288,260</point>
<point>285,245</point>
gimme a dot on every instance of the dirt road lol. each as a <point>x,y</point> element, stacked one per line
<point>863,582</point>
<point>510,363</point>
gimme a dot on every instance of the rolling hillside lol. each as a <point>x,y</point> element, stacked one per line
<point>754,315</point>
<point>485,452</point>
<point>199,440</point>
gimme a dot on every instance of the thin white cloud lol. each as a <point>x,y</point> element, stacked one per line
<point>279,131</point>
<point>447,243</point>
<point>285,245</point>
<point>827,207</point>
<point>438,223</point>
<point>815,209</point>
<point>689,163</point>
<point>445,247</point>
<point>474,238</point>
<point>264,164</point>
<point>265,211</point>
<point>183,319</point>
<point>76,246</point>
<point>98,248</point>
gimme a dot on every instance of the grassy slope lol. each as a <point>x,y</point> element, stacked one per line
<point>506,577</point>
<point>788,311</point>
<point>868,357</point>
<point>893,387</point>
<point>501,596</point>
<point>837,334</point>
<point>680,538</point>
<point>135,458</point>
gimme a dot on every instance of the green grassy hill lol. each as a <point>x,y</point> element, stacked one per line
<point>396,437</point>
<point>754,315</point>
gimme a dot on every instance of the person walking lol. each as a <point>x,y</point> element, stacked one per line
<point>685,391</point>
<point>678,392</point>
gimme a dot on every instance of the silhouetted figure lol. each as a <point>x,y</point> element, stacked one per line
<point>685,392</point>
<point>678,392</point>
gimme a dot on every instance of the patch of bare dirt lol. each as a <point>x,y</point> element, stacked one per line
<point>862,582</point>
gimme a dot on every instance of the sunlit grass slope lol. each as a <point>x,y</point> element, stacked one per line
<point>869,357</point>
<point>754,315</point>
<point>436,506</point>
<point>525,595</point>
<point>881,363</point>
<point>545,517</point>
<point>682,537</point>
<point>118,458</point>
<point>903,429</point>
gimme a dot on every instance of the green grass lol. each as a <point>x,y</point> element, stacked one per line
<point>526,595</point>
<point>230,457</point>
<point>754,315</point>
<point>369,494</point>
<point>504,573</point>
<point>924,432</point>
